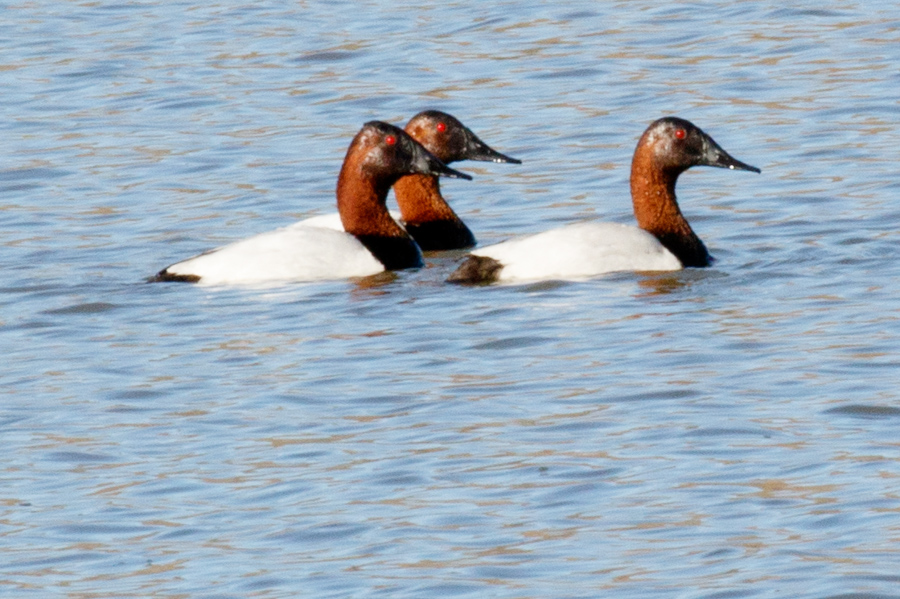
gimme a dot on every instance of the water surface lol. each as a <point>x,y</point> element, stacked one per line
<point>725,432</point>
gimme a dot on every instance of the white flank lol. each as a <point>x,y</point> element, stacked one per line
<point>295,253</point>
<point>579,251</point>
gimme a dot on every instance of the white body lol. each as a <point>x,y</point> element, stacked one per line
<point>579,251</point>
<point>333,221</point>
<point>299,252</point>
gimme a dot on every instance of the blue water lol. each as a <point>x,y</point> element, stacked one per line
<point>724,432</point>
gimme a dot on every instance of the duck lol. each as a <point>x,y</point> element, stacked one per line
<point>662,241</point>
<point>424,212</point>
<point>370,242</point>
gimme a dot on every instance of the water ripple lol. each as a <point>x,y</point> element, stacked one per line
<point>724,432</point>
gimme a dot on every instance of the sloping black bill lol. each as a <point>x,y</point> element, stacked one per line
<point>478,150</point>
<point>716,156</point>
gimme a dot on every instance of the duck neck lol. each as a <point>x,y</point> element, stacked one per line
<point>657,212</point>
<point>361,202</point>
<point>420,199</point>
<point>428,217</point>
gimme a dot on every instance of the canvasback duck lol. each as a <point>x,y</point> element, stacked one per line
<point>423,210</point>
<point>663,239</point>
<point>371,241</point>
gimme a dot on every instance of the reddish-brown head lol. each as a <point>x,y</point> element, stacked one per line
<point>675,145</point>
<point>385,152</point>
<point>448,139</point>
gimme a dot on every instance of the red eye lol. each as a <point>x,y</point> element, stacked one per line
<point>441,127</point>
<point>390,140</point>
<point>680,133</point>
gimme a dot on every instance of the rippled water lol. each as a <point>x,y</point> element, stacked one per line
<point>725,432</point>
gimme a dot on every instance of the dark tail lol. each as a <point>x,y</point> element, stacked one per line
<point>165,276</point>
<point>476,270</point>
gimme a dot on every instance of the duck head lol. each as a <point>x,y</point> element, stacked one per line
<point>386,152</point>
<point>448,139</point>
<point>675,145</point>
